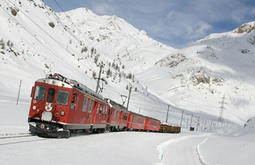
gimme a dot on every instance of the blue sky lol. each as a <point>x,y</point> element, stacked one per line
<point>174,22</point>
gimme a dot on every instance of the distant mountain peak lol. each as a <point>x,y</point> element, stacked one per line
<point>245,28</point>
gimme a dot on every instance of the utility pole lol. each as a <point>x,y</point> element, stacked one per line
<point>187,122</point>
<point>211,125</point>
<point>191,120</point>
<point>205,123</point>
<point>181,118</point>
<point>19,92</point>
<point>198,122</point>
<point>222,109</point>
<point>167,113</point>
<point>99,78</point>
<point>129,93</point>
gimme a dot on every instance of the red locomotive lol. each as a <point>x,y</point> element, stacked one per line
<point>60,105</point>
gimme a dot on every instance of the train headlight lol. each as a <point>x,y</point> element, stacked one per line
<point>62,113</point>
<point>34,107</point>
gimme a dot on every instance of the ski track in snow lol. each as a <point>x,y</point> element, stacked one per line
<point>163,146</point>
<point>200,157</point>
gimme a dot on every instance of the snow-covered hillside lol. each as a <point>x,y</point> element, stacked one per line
<point>217,71</point>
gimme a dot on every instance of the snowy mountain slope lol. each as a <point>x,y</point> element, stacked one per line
<point>199,76</point>
<point>115,38</point>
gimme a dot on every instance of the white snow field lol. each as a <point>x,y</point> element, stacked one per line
<point>227,146</point>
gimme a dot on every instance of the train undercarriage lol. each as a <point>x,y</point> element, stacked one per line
<point>47,129</point>
<point>57,130</point>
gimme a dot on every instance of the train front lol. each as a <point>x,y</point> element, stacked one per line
<point>49,107</point>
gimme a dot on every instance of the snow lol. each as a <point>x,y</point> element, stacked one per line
<point>192,80</point>
<point>141,148</point>
<point>197,77</point>
<point>236,148</point>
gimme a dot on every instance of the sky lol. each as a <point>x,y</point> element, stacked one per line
<point>177,23</point>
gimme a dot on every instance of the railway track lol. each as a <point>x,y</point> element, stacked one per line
<point>18,138</point>
<point>14,135</point>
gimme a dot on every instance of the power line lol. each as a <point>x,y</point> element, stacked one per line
<point>221,109</point>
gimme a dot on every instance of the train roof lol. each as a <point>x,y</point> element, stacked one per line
<point>72,84</point>
<point>116,105</point>
<point>145,116</point>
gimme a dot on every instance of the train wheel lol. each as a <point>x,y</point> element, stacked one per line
<point>64,134</point>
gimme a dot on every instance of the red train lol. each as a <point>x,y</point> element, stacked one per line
<point>60,106</point>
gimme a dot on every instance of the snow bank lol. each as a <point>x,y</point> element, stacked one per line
<point>234,147</point>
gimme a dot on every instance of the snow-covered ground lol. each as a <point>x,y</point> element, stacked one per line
<point>226,146</point>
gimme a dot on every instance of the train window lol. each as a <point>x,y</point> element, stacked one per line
<point>73,101</point>
<point>91,102</point>
<point>101,109</point>
<point>124,117</point>
<point>116,114</point>
<point>51,95</point>
<point>85,103</point>
<point>63,97</point>
<point>106,109</point>
<point>39,92</point>
<point>98,107</point>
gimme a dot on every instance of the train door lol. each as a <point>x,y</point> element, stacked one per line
<point>120,118</point>
<point>78,104</point>
<point>73,102</point>
<point>99,113</point>
<point>105,113</point>
<point>73,108</point>
<point>94,113</point>
<point>129,120</point>
<point>85,111</point>
<point>147,124</point>
<point>90,110</point>
<point>109,115</point>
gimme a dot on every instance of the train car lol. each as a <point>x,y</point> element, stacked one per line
<point>118,116</point>
<point>60,105</point>
<point>152,124</point>
<point>164,128</point>
<point>136,121</point>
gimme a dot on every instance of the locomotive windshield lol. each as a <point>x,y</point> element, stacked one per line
<point>39,92</point>
<point>63,97</point>
<point>51,95</point>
